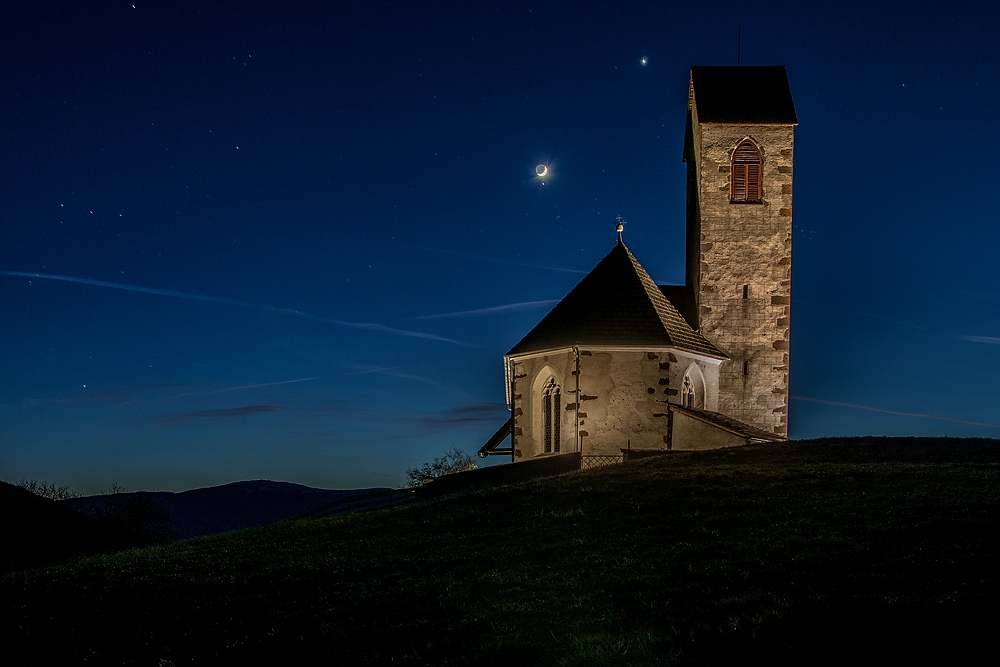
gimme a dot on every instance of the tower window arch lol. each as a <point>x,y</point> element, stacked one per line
<point>551,408</point>
<point>745,170</point>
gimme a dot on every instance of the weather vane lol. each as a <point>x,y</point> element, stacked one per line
<point>620,226</point>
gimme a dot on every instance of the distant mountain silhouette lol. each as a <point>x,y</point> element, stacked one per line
<point>219,509</point>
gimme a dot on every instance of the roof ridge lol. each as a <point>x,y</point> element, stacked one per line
<point>645,281</point>
<point>673,322</point>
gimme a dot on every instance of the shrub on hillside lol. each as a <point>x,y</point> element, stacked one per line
<point>453,460</point>
<point>134,514</point>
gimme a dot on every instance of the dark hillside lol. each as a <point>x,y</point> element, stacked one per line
<point>828,551</point>
<point>37,531</point>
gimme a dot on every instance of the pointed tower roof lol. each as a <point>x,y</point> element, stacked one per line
<point>615,304</point>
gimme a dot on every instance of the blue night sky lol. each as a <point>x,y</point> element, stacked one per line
<point>294,241</point>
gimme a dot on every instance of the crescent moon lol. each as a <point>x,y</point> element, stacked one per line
<point>541,170</point>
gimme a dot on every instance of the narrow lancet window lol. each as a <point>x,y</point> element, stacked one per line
<point>745,183</point>
<point>693,389</point>
<point>547,412</point>
<point>556,406</point>
<point>687,392</point>
<point>551,408</point>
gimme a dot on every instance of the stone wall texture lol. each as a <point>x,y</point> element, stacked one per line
<point>622,399</point>
<point>745,244</point>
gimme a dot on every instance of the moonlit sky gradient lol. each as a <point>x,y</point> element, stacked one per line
<point>293,241</point>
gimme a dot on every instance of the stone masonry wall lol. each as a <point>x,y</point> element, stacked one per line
<point>623,397</point>
<point>530,372</point>
<point>745,244</point>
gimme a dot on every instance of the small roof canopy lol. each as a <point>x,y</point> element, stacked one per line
<point>735,426</point>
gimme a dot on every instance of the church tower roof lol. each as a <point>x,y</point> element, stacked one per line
<point>618,304</point>
<point>753,95</point>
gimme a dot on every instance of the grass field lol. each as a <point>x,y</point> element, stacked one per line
<point>818,551</point>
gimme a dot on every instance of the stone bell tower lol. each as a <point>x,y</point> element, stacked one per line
<point>738,147</point>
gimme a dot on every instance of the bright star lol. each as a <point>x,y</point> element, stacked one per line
<point>643,60</point>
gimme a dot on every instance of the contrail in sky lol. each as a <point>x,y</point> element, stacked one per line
<point>247,386</point>
<point>892,412</point>
<point>981,339</point>
<point>509,308</point>
<point>233,302</point>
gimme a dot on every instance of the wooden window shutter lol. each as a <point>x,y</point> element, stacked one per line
<point>753,182</point>
<point>746,173</point>
<point>739,190</point>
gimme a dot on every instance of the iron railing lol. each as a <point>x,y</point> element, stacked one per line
<point>598,461</point>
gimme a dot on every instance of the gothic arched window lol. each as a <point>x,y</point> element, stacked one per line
<point>551,407</point>
<point>745,173</point>
<point>687,392</point>
<point>693,389</point>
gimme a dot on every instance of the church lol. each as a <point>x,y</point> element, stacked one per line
<point>622,366</point>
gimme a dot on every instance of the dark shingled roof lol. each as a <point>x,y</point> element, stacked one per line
<point>615,304</point>
<point>730,424</point>
<point>753,95</point>
<point>682,298</point>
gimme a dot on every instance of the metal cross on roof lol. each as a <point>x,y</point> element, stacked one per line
<point>620,226</point>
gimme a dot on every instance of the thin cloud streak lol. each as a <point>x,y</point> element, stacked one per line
<point>246,386</point>
<point>391,371</point>
<point>991,340</point>
<point>226,413</point>
<point>892,412</point>
<point>481,258</point>
<point>233,302</point>
<point>493,310</point>
<point>477,413</point>
<point>415,378</point>
<point>374,370</point>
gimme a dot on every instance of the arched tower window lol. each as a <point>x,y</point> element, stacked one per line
<point>551,408</point>
<point>745,173</point>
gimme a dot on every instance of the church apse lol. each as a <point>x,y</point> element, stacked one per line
<point>622,399</point>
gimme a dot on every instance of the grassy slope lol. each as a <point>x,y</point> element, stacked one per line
<point>817,549</point>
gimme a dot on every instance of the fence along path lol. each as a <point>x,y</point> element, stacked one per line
<point>362,503</point>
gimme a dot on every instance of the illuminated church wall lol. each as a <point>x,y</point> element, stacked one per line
<point>622,397</point>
